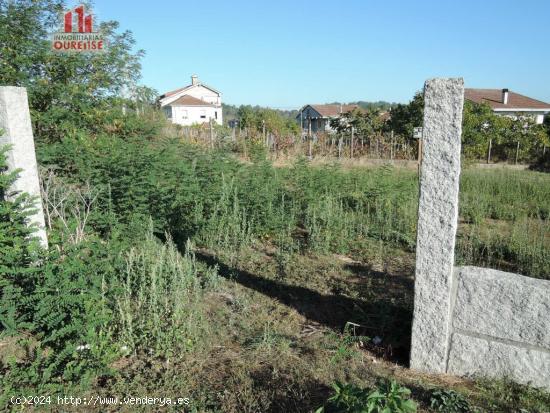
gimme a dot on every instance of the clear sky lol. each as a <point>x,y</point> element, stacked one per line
<point>287,53</point>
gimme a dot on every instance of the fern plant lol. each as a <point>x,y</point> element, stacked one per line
<point>19,252</point>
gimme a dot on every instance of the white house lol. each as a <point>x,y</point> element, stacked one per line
<point>508,103</point>
<point>193,104</point>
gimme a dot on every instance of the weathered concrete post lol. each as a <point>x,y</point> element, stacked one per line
<point>15,122</point>
<point>437,224</point>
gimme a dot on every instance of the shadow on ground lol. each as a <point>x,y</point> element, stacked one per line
<point>386,311</point>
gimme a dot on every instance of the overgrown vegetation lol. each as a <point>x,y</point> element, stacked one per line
<point>179,270</point>
<point>123,292</point>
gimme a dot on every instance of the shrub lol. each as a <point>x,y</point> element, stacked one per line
<point>449,401</point>
<point>67,334</point>
<point>19,253</point>
<point>387,397</point>
<point>158,299</point>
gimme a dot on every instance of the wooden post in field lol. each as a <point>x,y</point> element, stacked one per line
<point>351,145</point>
<point>391,145</point>
<point>309,137</point>
<point>340,146</point>
<point>517,153</point>
<point>263,133</point>
<point>211,134</point>
<point>489,151</point>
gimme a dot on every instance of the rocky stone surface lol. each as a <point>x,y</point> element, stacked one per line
<point>16,131</point>
<point>468,320</point>
<point>437,223</point>
<point>475,356</point>
<point>503,305</point>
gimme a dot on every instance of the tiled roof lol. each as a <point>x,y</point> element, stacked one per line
<point>173,92</point>
<point>187,100</point>
<point>493,97</point>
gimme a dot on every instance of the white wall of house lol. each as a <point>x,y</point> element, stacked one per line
<point>200,92</point>
<point>538,116</point>
<point>188,115</point>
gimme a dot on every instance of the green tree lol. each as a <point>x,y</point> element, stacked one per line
<point>67,91</point>
<point>275,123</point>
<point>406,117</point>
<point>482,128</point>
<point>366,123</point>
<point>247,116</point>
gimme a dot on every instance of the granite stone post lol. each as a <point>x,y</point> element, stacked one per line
<point>437,224</point>
<point>16,131</point>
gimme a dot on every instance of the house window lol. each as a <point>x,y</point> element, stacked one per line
<point>216,114</point>
<point>203,114</point>
<point>168,111</point>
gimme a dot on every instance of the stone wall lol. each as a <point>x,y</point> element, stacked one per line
<point>467,321</point>
<point>500,326</point>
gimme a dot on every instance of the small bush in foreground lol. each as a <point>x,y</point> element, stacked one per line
<point>449,401</point>
<point>158,298</point>
<point>387,397</point>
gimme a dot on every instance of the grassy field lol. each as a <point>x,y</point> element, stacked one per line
<point>249,287</point>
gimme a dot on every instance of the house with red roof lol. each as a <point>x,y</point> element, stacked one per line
<point>319,116</point>
<point>196,103</point>
<point>508,103</point>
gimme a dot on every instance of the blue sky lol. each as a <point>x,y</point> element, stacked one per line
<point>287,53</point>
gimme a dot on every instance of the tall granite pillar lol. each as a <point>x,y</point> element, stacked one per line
<point>437,224</point>
<point>16,131</point>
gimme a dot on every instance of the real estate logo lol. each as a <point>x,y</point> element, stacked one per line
<point>78,34</point>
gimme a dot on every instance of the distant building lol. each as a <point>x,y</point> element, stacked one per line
<point>320,116</point>
<point>196,103</point>
<point>507,103</point>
